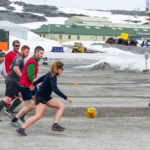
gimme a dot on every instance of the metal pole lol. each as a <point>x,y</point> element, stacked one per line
<point>146,55</point>
<point>146,64</point>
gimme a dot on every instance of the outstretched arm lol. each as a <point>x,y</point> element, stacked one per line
<point>53,82</point>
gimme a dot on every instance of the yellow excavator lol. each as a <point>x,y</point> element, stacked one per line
<point>124,36</point>
<point>78,48</point>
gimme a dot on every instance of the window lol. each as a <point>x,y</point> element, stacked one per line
<point>58,26</point>
<point>136,29</point>
<point>60,36</point>
<point>69,37</point>
<point>144,29</point>
<point>97,27</point>
<point>78,37</point>
<point>104,38</point>
<point>95,38</point>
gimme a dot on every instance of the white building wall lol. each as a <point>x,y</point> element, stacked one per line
<point>18,33</point>
<point>14,29</point>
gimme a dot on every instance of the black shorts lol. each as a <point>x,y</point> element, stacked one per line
<point>41,99</point>
<point>27,93</point>
<point>12,88</point>
<point>34,91</point>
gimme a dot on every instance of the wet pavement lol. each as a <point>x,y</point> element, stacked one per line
<point>122,122</point>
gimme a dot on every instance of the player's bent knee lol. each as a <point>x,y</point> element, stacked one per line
<point>62,107</point>
<point>31,107</point>
<point>7,100</point>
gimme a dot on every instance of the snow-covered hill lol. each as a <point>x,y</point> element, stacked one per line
<point>115,18</point>
<point>35,15</point>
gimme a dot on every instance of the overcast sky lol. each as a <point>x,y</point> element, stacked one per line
<point>94,4</point>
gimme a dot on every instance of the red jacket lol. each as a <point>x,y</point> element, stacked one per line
<point>9,59</point>
<point>24,78</point>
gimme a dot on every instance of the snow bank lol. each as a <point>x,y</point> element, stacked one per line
<point>120,61</point>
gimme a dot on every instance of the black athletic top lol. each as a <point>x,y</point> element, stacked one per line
<point>49,85</point>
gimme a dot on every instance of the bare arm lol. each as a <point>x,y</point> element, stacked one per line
<point>17,70</point>
<point>18,61</point>
<point>4,75</point>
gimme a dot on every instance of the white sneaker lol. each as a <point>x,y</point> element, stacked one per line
<point>15,124</point>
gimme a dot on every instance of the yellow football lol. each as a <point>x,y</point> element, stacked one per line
<point>91,112</point>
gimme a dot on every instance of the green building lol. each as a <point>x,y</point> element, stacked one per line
<point>89,21</point>
<point>90,28</point>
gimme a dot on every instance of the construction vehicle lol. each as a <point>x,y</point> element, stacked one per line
<point>4,40</point>
<point>124,36</point>
<point>123,39</point>
<point>78,48</point>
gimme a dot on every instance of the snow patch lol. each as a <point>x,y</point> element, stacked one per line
<point>50,20</point>
<point>18,8</point>
<point>2,8</point>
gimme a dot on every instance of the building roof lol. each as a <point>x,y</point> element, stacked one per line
<point>92,19</point>
<point>88,30</point>
<point>96,21</point>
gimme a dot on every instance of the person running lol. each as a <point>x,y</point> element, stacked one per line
<point>9,59</point>
<point>43,99</point>
<point>29,74</point>
<point>2,65</point>
<point>12,80</point>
